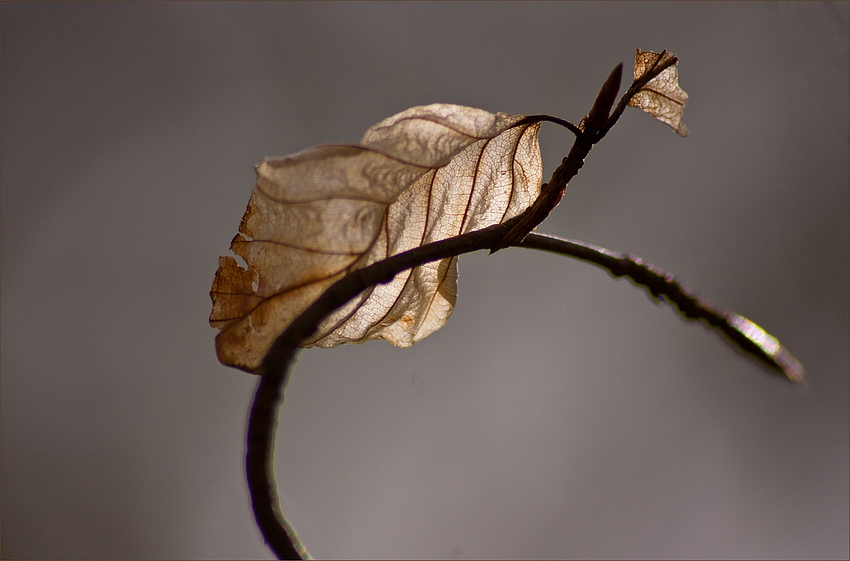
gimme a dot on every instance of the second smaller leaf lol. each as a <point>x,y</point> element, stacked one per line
<point>661,97</point>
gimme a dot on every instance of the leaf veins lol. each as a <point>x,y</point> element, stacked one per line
<point>423,175</point>
<point>661,97</point>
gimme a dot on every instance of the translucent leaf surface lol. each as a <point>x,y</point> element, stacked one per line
<point>661,97</point>
<point>423,175</point>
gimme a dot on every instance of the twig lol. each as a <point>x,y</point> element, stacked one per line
<point>262,422</point>
<point>277,532</point>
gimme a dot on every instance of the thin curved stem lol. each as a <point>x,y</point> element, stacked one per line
<point>278,533</point>
<point>556,120</point>
<point>743,333</point>
<point>262,422</point>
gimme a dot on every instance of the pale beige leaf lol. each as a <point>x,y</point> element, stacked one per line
<point>661,97</point>
<point>423,175</point>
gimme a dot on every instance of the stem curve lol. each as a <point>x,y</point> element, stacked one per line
<point>277,531</point>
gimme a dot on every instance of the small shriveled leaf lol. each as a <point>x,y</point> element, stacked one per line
<point>423,175</point>
<point>661,97</point>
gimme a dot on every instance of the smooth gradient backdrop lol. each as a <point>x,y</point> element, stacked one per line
<point>560,413</point>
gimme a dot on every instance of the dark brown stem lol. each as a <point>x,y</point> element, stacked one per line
<point>278,533</point>
<point>744,334</point>
<point>259,467</point>
<point>262,422</point>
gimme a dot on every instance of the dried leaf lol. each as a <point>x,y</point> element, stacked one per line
<point>661,97</point>
<point>423,175</point>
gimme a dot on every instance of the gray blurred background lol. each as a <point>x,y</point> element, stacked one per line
<point>560,413</point>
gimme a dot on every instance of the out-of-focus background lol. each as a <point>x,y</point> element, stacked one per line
<point>560,413</point>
